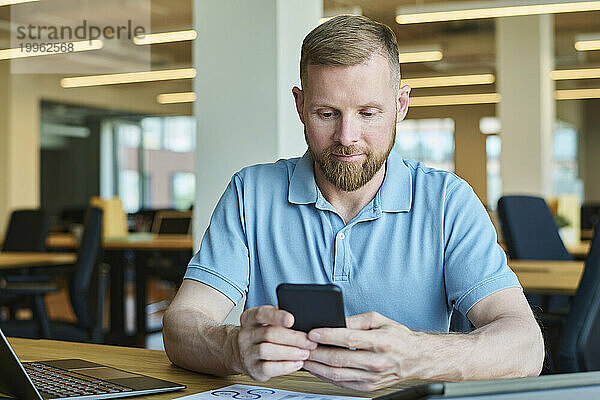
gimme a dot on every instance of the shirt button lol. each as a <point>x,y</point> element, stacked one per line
<point>342,236</point>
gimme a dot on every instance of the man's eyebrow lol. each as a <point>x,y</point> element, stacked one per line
<point>366,105</point>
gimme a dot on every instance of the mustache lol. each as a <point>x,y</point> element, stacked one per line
<point>343,150</point>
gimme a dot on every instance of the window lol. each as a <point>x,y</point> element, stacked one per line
<point>494,181</point>
<point>153,162</point>
<point>184,190</point>
<point>129,190</point>
<point>430,141</point>
<point>564,160</point>
<point>564,170</point>
<point>179,134</point>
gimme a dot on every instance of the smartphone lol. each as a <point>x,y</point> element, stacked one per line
<point>312,305</point>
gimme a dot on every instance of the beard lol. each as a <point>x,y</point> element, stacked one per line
<point>349,175</point>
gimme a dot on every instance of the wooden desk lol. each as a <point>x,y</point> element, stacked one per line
<point>579,250</point>
<point>548,277</point>
<point>132,241</point>
<point>12,260</point>
<point>155,363</point>
<point>115,255</point>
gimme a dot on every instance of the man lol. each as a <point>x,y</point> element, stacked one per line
<point>406,243</point>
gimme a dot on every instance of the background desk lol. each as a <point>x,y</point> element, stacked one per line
<point>116,251</point>
<point>155,363</point>
<point>548,277</point>
<point>12,260</point>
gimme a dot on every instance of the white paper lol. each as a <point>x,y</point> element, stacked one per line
<point>246,392</point>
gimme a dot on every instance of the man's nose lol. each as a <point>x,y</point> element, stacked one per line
<point>348,131</point>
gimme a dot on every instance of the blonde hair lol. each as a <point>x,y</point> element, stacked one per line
<point>349,40</point>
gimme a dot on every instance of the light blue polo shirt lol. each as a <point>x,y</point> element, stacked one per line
<point>422,246</point>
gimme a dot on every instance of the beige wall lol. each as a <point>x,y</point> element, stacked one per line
<point>20,97</point>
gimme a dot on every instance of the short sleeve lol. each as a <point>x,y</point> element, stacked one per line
<point>222,261</point>
<point>474,264</point>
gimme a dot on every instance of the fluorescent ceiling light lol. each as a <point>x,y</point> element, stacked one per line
<point>455,99</point>
<point>575,94</point>
<point>171,98</point>
<point>584,73</point>
<point>420,56</point>
<point>129,77</point>
<point>165,37</point>
<point>586,45</point>
<point>454,11</point>
<point>454,80</point>
<point>84,45</point>
<point>9,2</point>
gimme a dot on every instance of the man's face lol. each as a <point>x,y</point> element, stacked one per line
<point>349,115</point>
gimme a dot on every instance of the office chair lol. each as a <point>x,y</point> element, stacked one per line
<point>579,348</point>
<point>529,230</point>
<point>27,231</point>
<point>87,288</point>
<point>530,233</point>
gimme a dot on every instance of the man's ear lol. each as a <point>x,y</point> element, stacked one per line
<point>402,100</point>
<point>299,100</point>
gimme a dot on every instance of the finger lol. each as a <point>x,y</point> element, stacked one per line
<point>360,359</point>
<point>266,315</point>
<point>343,337</point>
<point>270,369</point>
<point>277,352</point>
<point>339,374</point>
<point>281,335</point>
<point>366,321</point>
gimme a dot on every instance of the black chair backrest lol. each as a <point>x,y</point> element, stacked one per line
<point>172,222</point>
<point>81,288</point>
<point>27,231</point>
<point>590,215</point>
<point>579,348</point>
<point>529,230</point>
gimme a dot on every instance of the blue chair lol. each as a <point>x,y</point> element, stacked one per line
<point>579,347</point>
<point>529,230</point>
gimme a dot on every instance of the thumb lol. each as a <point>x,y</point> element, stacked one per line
<point>366,321</point>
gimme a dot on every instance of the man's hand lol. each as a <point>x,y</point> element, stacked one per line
<point>267,345</point>
<point>382,355</point>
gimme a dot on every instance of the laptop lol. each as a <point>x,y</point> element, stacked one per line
<point>71,379</point>
<point>580,386</point>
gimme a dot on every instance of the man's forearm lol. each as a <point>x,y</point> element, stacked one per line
<point>196,342</point>
<point>507,347</point>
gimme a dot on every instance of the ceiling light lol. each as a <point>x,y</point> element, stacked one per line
<point>171,98</point>
<point>129,77</point>
<point>586,45</point>
<point>456,99</point>
<point>576,94</point>
<point>584,73</point>
<point>165,37</point>
<point>84,45</point>
<point>9,2</point>
<point>454,80</point>
<point>420,56</point>
<point>454,11</point>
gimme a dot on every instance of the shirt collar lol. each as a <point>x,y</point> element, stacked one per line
<point>395,194</point>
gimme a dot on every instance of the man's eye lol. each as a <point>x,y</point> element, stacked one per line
<point>367,114</point>
<point>327,114</point>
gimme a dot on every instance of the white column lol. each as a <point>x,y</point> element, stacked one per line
<point>247,58</point>
<point>524,60</point>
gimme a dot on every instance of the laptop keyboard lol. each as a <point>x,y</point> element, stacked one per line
<point>56,383</point>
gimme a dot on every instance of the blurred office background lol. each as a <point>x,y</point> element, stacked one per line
<point>509,103</point>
